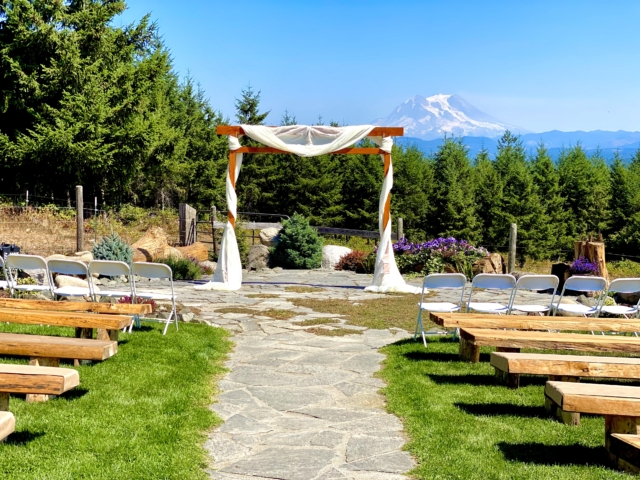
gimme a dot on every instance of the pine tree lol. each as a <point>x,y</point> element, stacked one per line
<point>247,108</point>
<point>552,228</point>
<point>621,203</point>
<point>488,194</point>
<point>454,212</point>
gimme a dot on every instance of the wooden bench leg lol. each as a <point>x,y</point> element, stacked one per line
<point>619,424</point>
<point>563,378</point>
<point>508,349</point>
<point>552,408</point>
<point>4,401</point>
<point>42,362</point>
<point>82,333</point>
<point>469,351</point>
<point>511,380</point>
<point>104,334</point>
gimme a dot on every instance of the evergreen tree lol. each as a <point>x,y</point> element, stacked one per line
<point>488,193</point>
<point>553,227</point>
<point>454,212</point>
<point>247,108</point>
<point>621,203</point>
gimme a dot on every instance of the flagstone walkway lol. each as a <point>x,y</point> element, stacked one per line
<point>297,406</point>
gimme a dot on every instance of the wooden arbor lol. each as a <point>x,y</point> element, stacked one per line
<point>236,131</point>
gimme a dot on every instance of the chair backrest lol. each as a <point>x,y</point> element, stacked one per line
<point>109,268</point>
<point>585,284</point>
<point>445,280</point>
<point>26,262</point>
<point>67,267</point>
<point>151,270</point>
<point>625,285</point>
<point>538,282</point>
<point>496,281</point>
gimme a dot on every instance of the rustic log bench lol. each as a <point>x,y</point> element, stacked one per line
<point>39,383</point>
<point>471,339</point>
<point>7,425</point>
<point>524,322</point>
<point>108,325</point>
<point>70,306</point>
<point>509,367</point>
<point>620,406</point>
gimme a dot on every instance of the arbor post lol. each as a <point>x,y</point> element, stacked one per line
<point>400,229</point>
<point>513,233</point>
<point>79,219</point>
<point>214,218</point>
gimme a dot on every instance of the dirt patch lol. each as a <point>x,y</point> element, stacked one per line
<point>262,295</point>
<point>316,321</point>
<point>334,332</point>
<point>272,313</point>
<point>303,289</point>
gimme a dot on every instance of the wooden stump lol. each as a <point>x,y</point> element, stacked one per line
<point>511,380</point>
<point>4,401</point>
<point>104,334</point>
<point>594,251</point>
<point>469,352</point>
<point>40,362</point>
<point>552,408</point>
<point>618,424</point>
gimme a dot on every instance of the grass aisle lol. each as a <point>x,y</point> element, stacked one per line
<point>462,425</point>
<point>140,414</point>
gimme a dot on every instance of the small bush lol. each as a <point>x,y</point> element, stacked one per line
<point>353,262</point>
<point>114,248</point>
<point>299,245</point>
<point>243,242</point>
<point>131,214</point>
<point>624,269</point>
<point>183,268</point>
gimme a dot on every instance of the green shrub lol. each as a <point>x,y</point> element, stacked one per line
<point>243,242</point>
<point>353,262</point>
<point>623,269</point>
<point>183,268</point>
<point>131,214</point>
<point>299,245</point>
<point>112,247</point>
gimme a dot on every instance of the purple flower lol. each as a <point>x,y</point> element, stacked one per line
<point>582,266</point>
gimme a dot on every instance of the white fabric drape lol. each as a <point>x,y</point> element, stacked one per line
<point>307,141</point>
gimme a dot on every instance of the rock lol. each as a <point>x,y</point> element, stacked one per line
<point>490,264</point>
<point>518,274</point>
<point>84,257</point>
<point>68,281</point>
<point>39,275</point>
<point>186,317</point>
<point>331,255</point>
<point>628,298</point>
<point>278,269</point>
<point>588,301</point>
<point>163,315</point>
<point>197,250</point>
<point>154,244</point>
<point>210,264</point>
<point>258,257</point>
<point>269,236</point>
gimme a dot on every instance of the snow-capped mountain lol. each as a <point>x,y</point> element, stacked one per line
<point>433,117</point>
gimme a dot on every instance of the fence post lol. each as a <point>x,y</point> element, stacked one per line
<point>400,229</point>
<point>214,218</point>
<point>188,219</point>
<point>27,198</point>
<point>79,219</point>
<point>513,234</point>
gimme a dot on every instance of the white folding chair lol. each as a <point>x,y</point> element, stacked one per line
<point>19,261</point>
<point>70,267</point>
<point>624,285</point>
<point>4,284</point>
<point>582,284</point>
<point>439,281</point>
<point>109,268</point>
<point>155,270</point>
<point>534,283</point>
<point>491,281</point>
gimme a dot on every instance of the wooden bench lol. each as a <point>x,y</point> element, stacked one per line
<point>47,351</point>
<point>524,322</point>
<point>7,425</point>
<point>69,306</point>
<point>620,406</point>
<point>509,367</point>
<point>471,339</point>
<point>39,383</point>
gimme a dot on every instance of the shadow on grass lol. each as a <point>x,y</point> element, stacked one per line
<point>463,379</point>
<point>144,328</point>
<point>440,356</point>
<point>498,409</point>
<point>74,394</point>
<point>553,454</point>
<point>22,438</point>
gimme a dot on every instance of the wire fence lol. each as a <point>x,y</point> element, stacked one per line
<point>50,229</point>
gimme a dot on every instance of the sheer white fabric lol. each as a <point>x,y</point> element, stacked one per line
<point>308,141</point>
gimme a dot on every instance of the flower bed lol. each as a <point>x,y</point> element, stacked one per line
<point>437,255</point>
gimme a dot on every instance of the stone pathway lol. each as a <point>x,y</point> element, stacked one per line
<point>297,406</point>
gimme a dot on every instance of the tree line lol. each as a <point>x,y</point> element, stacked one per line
<point>86,102</point>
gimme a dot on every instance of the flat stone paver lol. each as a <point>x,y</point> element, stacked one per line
<point>297,406</point>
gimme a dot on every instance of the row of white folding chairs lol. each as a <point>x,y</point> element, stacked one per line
<point>531,283</point>
<point>15,262</point>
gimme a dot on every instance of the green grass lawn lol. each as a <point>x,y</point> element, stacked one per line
<point>463,425</point>
<point>141,414</point>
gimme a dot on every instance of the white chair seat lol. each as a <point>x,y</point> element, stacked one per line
<point>156,296</point>
<point>70,291</point>
<point>620,310</point>
<point>4,284</point>
<point>113,293</point>
<point>531,308</point>
<point>32,288</point>
<point>439,307</point>
<point>487,307</point>
<point>577,308</point>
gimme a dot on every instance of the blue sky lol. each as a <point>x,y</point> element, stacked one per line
<point>566,65</point>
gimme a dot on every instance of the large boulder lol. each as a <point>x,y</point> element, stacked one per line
<point>84,257</point>
<point>197,250</point>
<point>269,236</point>
<point>154,244</point>
<point>68,281</point>
<point>331,255</point>
<point>492,263</point>
<point>258,257</point>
